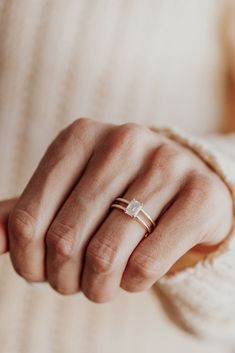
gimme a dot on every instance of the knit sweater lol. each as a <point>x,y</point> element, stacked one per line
<point>158,63</point>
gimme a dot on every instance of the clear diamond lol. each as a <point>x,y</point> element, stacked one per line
<point>133,208</point>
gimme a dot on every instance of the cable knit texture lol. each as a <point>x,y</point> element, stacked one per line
<point>153,62</point>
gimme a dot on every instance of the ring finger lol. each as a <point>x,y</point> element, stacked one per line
<point>110,248</point>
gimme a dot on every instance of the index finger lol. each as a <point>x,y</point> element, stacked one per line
<point>52,181</point>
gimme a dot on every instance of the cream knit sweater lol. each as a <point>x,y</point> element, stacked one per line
<point>156,62</point>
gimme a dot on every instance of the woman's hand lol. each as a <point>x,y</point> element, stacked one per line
<point>63,218</point>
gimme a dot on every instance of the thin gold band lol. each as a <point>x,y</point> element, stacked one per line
<point>136,213</point>
<point>143,211</point>
<point>137,217</point>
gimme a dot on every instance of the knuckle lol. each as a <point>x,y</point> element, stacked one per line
<point>28,275</point>
<point>132,129</point>
<point>96,297</point>
<point>60,238</point>
<point>62,289</point>
<point>215,191</point>
<point>80,127</point>
<point>101,258</point>
<point>128,136</point>
<point>214,205</point>
<point>201,189</point>
<point>76,133</point>
<point>22,226</point>
<point>172,159</point>
<point>71,133</point>
<point>99,265</point>
<point>145,267</point>
<point>133,287</point>
<point>83,121</point>
<point>82,124</point>
<point>132,132</point>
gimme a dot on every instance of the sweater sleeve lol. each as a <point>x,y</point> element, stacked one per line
<point>201,297</point>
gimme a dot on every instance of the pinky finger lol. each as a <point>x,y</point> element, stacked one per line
<point>179,229</point>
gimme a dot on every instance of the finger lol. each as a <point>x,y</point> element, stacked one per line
<point>5,209</point>
<point>182,227</point>
<point>56,174</point>
<point>106,175</point>
<point>109,250</point>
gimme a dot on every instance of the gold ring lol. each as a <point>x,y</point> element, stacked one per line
<point>134,209</point>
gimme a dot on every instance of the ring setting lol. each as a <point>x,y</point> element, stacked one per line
<point>135,209</point>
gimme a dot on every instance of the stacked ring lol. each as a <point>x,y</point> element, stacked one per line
<point>134,209</point>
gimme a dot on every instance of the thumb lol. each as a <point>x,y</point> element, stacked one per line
<point>5,208</point>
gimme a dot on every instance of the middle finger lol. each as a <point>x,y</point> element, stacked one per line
<point>108,173</point>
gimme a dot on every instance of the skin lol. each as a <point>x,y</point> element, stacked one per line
<point>62,230</point>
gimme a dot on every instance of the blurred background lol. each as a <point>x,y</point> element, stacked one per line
<point>154,62</point>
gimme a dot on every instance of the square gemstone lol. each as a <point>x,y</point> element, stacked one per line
<point>133,208</point>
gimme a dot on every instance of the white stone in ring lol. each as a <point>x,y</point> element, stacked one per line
<point>133,208</point>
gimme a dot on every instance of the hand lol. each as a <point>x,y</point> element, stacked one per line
<point>63,218</point>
